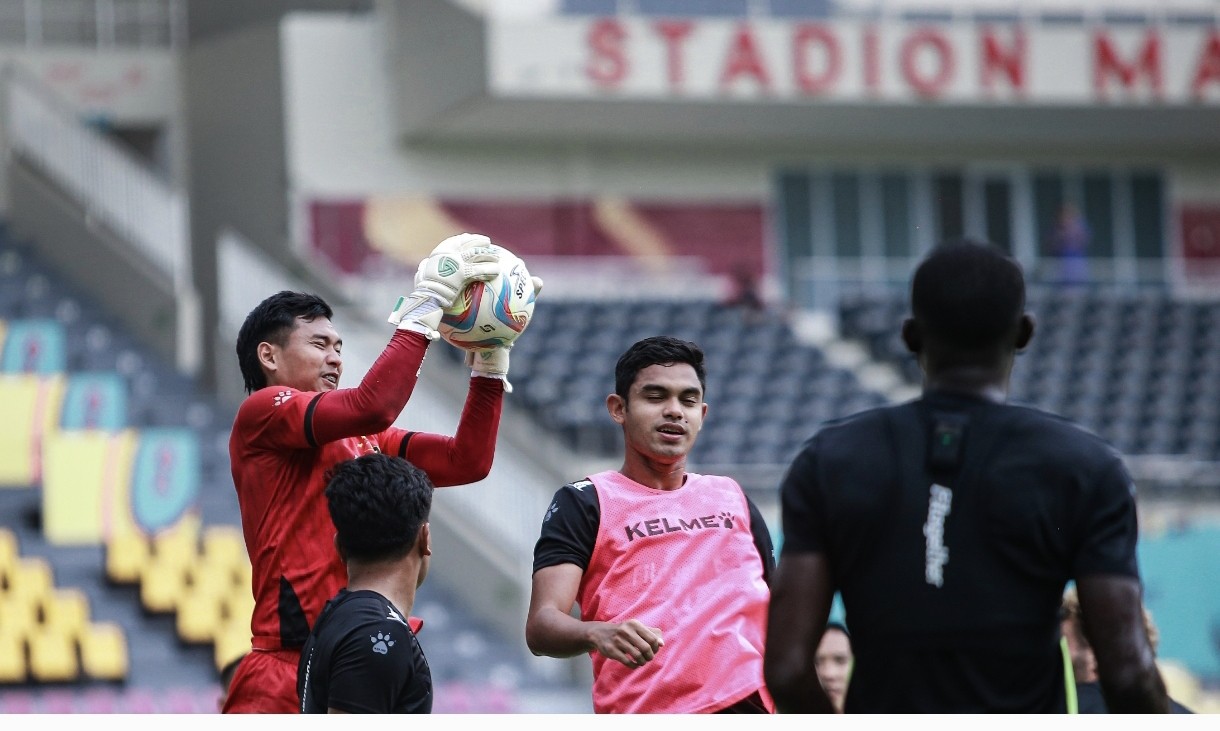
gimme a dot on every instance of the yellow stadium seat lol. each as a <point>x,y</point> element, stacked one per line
<point>200,615</point>
<point>126,556</point>
<point>232,641</point>
<point>179,543</point>
<point>67,610</point>
<point>32,578</point>
<point>224,544</point>
<point>162,585</point>
<point>10,551</point>
<point>53,656</point>
<point>18,614</point>
<point>213,579</point>
<point>12,658</point>
<point>103,651</point>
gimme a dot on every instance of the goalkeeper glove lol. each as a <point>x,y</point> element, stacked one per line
<point>453,264</point>
<point>491,363</point>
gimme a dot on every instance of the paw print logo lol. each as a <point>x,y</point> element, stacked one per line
<point>550,511</point>
<point>727,519</point>
<point>282,397</point>
<point>381,643</point>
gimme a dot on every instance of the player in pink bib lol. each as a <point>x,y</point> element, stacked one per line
<point>670,568</point>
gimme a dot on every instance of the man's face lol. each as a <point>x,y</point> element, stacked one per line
<point>663,413</point>
<point>833,663</point>
<point>309,361</point>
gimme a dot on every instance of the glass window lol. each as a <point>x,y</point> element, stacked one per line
<point>795,220</point>
<point>1099,213</point>
<point>1148,214</point>
<point>845,191</point>
<point>997,201</point>
<point>950,218</point>
<point>1048,201</point>
<point>896,209</point>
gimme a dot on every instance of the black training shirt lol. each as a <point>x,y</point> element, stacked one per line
<point>952,525</point>
<point>361,657</point>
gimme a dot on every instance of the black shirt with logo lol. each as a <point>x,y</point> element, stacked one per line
<point>361,657</point>
<point>952,525</point>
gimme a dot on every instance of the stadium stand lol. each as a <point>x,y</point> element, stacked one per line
<point>1140,368</point>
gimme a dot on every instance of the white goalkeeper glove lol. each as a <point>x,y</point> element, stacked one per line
<point>491,363</point>
<point>453,264</point>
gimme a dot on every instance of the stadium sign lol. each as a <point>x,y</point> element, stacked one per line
<point>854,61</point>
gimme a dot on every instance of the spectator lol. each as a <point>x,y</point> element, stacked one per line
<point>1089,698</point>
<point>833,661</point>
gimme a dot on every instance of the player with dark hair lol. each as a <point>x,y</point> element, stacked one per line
<point>297,424</point>
<point>833,662</point>
<point>951,525</point>
<point>361,656</point>
<point>669,567</point>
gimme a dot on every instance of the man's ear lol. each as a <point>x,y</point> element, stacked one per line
<point>423,542</point>
<point>617,408</point>
<point>339,548</point>
<point>1025,330</point>
<point>911,335</point>
<point>267,355</point>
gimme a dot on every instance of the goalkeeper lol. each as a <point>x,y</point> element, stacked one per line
<point>297,424</point>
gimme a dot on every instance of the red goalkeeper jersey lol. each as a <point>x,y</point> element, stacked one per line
<point>284,443</point>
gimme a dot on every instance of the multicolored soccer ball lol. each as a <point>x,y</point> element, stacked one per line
<point>491,314</point>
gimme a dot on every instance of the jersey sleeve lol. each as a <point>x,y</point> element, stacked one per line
<point>371,667</point>
<point>762,540</point>
<point>466,456</point>
<point>372,406</point>
<point>1110,526</point>
<point>569,528</point>
<point>799,504</point>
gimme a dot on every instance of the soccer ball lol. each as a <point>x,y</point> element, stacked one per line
<point>492,314</point>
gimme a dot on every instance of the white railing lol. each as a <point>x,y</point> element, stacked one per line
<point>111,186</point>
<point>94,23</point>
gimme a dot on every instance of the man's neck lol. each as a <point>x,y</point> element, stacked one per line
<point>984,383</point>
<point>396,581</point>
<point>657,475</point>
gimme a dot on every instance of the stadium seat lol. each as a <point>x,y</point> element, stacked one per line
<point>224,545</point>
<point>53,657</point>
<point>162,585</point>
<point>66,609</point>
<point>31,579</point>
<point>126,556</point>
<point>10,551</point>
<point>13,666</point>
<point>103,651</point>
<point>18,614</point>
<point>199,615</point>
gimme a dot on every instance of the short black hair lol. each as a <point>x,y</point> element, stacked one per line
<point>378,504</point>
<point>968,293</point>
<point>656,350</point>
<point>272,320</point>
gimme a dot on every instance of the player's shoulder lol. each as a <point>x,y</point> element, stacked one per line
<point>852,428</point>
<point>1058,432</point>
<point>579,491</point>
<point>269,397</point>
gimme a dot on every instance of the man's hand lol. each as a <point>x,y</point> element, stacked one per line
<point>491,363</point>
<point>456,262</point>
<point>631,643</point>
<point>453,264</point>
